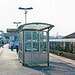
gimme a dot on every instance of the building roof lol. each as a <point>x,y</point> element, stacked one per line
<point>72,35</point>
<point>11,30</point>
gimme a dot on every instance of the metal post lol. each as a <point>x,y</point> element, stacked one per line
<point>25,17</point>
<point>39,41</point>
<point>26,10</point>
<point>23,63</point>
<point>48,47</point>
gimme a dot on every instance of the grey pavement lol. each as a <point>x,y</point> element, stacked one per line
<point>9,65</point>
<point>61,65</point>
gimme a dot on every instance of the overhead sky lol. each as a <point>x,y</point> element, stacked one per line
<point>60,13</point>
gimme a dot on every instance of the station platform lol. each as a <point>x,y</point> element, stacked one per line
<point>10,65</point>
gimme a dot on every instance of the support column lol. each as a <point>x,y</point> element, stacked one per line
<point>48,47</point>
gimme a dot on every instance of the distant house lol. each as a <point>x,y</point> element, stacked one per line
<point>72,43</point>
<point>13,37</point>
<point>2,37</point>
<point>1,33</point>
<point>72,35</point>
<point>13,34</point>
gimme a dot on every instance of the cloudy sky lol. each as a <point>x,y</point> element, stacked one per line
<point>60,13</point>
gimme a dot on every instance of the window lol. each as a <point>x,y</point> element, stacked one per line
<point>34,40</point>
<point>27,40</point>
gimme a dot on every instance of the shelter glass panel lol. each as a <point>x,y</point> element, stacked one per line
<point>43,41</point>
<point>21,40</point>
<point>35,41</point>
<point>27,40</point>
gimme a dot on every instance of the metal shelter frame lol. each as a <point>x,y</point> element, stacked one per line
<point>37,27</point>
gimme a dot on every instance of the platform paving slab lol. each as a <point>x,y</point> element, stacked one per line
<point>9,65</point>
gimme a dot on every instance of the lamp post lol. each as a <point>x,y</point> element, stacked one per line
<point>26,10</point>
<point>16,23</point>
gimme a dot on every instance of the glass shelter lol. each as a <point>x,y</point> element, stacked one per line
<point>34,43</point>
